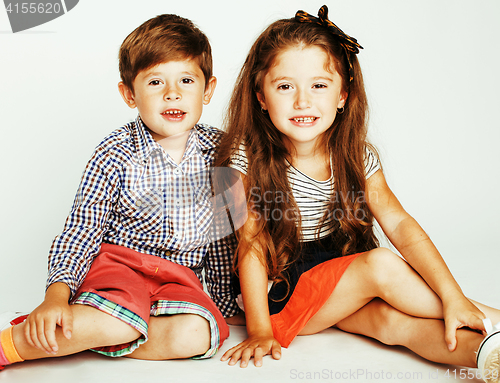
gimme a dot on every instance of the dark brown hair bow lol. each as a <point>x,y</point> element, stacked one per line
<point>350,44</point>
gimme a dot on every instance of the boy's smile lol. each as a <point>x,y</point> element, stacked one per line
<point>169,97</point>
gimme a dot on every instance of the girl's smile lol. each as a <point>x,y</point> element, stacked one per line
<point>304,121</point>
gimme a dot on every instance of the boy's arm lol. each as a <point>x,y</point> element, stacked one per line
<point>72,252</point>
<point>218,274</point>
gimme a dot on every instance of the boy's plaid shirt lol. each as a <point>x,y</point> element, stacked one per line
<point>133,194</point>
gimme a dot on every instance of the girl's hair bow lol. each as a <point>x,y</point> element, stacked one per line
<point>350,44</point>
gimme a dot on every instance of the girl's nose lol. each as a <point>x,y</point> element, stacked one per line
<point>302,100</point>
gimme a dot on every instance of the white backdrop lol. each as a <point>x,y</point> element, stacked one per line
<point>431,71</point>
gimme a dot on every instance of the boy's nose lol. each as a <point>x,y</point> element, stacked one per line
<point>172,94</point>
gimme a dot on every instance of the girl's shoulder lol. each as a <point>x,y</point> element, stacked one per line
<point>239,160</point>
<point>372,161</point>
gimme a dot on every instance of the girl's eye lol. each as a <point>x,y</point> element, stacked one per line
<point>284,87</point>
<point>319,86</point>
<point>154,82</point>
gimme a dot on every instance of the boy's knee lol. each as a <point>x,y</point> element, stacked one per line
<point>175,337</point>
<point>191,337</point>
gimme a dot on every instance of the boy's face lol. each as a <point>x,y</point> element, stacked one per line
<point>169,97</point>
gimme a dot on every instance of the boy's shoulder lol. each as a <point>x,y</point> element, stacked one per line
<point>117,145</point>
<point>208,135</point>
<point>118,136</point>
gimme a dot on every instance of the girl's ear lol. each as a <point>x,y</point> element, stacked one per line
<point>262,100</point>
<point>342,99</point>
<point>127,94</point>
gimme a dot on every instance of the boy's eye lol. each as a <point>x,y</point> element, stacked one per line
<point>187,80</point>
<point>154,82</point>
<point>284,87</point>
<point>319,86</point>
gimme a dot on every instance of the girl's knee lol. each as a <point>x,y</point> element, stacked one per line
<point>382,265</point>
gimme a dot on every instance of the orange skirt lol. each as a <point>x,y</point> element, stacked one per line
<point>309,289</point>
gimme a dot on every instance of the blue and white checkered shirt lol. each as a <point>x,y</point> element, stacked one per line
<point>133,194</point>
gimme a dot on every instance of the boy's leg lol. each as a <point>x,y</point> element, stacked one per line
<point>91,328</point>
<point>175,337</point>
<point>425,337</point>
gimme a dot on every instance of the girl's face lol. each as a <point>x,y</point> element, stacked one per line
<point>301,95</point>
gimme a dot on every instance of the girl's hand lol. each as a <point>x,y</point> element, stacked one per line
<point>40,326</point>
<point>459,312</point>
<point>256,346</point>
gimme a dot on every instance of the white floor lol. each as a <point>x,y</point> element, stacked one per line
<point>329,356</point>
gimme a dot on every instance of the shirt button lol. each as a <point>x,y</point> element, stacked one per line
<point>177,235</point>
<point>178,203</point>
<point>138,203</point>
<point>177,171</point>
<point>167,253</point>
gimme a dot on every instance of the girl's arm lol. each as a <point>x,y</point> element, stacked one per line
<point>417,248</point>
<point>253,282</point>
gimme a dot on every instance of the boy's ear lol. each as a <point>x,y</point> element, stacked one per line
<point>127,94</point>
<point>209,90</point>
<point>262,100</point>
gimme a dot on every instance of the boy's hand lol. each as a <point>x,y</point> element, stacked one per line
<point>459,312</point>
<point>257,346</point>
<point>40,327</point>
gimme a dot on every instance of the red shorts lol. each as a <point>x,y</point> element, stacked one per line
<point>132,287</point>
<point>311,292</point>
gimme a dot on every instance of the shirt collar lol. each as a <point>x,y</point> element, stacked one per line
<point>143,141</point>
<point>199,141</point>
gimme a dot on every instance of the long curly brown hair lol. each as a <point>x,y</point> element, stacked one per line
<point>279,240</point>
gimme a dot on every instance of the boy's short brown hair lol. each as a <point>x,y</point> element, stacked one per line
<point>162,39</point>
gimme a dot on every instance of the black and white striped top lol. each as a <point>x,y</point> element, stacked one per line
<point>312,196</point>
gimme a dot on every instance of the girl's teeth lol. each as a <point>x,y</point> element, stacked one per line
<point>305,119</point>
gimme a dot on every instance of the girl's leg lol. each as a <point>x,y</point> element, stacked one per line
<point>377,273</point>
<point>425,337</point>
<point>490,312</point>
<point>91,328</point>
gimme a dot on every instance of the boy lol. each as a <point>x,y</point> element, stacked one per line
<point>139,232</point>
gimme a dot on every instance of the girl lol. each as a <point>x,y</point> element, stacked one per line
<point>297,133</point>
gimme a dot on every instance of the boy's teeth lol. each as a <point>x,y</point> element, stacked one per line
<point>173,112</point>
<point>304,119</point>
